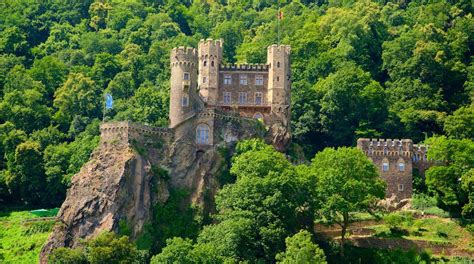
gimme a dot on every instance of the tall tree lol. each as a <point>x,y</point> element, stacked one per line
<point>347,181</point>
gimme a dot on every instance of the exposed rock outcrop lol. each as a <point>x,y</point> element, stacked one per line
<point>132,169</point>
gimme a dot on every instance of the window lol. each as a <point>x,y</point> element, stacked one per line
<point>424,157</point>
<point>212,63</point>
<point>227,79</point>
<point>278,78</point>
<point>278,64</point>
<point>385,150</point>
<point>243,79</point>
<point>385,166</point>
<point>185,100</point>
<point>401,166</point>
<point>242,98</point>
<point>227,98</point>
<point>204,79</point>
<point>202,134</point>
<point>401,187</point>
<point>205,63</point>
<point>258,98</point>
<point>400,150</point>
<point>371,150</point>
<point>186,76</point>
<point>259,80</point>
<point>258,116</point>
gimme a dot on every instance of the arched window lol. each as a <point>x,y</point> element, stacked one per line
<point>205,63</point>
<point>385,151</point>
<point>371,150</point>
<point>258,116</point>
<point>185,100</point>
<point>202,134</point>
<point>385,165</point>
<point>401,165</point>
<point>212,63</point>
<point>425,158</point>
<point>278,64</point>
<point>400,150</point>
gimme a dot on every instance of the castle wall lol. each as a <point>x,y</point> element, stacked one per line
<point>393,159</point>
<point>124,133</point>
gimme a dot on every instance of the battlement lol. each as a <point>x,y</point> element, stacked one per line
<point>385,147</point>
<point>279,48</point>
<point>123,132</point>
<point>211,43</point>
<point>244,67</point>
<point>183,55</point>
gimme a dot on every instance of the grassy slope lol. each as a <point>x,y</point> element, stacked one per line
<point>21,242</point>
<point>433,229</point>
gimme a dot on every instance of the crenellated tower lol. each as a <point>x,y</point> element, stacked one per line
<point>184,100</point>
<point>210,57</point>
<point>393,159</point>
<point>279,79</point>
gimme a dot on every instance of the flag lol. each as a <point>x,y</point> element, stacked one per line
<point>109,101</point>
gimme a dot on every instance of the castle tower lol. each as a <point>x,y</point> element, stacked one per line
<point>393,159</point>
<point>210,57</point>
<point>183,93</point>
<point>279,82</point>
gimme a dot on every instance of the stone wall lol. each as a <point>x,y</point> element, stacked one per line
<point>393,159</point>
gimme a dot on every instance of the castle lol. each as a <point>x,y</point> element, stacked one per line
<point>396,161</point>
<point>203,88</point>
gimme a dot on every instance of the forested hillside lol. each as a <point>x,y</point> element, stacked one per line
<point>393,69</point>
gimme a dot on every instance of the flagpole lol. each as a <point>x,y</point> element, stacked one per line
<point>278,23</point>
<point>105,107</point>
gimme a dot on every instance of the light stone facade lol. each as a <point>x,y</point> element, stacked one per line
<point>396,160</point>
<point>201,83</point>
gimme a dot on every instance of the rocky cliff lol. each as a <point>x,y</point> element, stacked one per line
<point>132,169</point>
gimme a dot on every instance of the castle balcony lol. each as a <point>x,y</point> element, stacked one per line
<point>186,85</point>
<point>250,107</point>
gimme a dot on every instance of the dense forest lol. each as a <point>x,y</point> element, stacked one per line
<point>380,68</point>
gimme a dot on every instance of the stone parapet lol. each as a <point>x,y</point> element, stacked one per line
<point>123,132</point>
<point>386,147</point>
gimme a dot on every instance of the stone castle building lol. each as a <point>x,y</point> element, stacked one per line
<point>202,87</point>
<point>396,161</point>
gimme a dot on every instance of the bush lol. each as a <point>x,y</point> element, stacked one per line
<point>106,248</point>
<point>300,249</point>
<point>67,256</point>
<point>428,205</point>
<point>423,201</point>
<point>398,220</point>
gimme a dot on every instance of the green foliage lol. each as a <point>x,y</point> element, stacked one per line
<point>300,249</point>
<point>21,241</point>
<point>347,181</point>
<point>428,205</point>
<point>159,172</point>
<point>177,250</point>
<point>256,213</point>
<point>105,248</point>
<point>173,218</point>
<point>67,256</point>
<point>452,180</point>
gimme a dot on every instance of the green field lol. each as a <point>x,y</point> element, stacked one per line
<point>20,239</point>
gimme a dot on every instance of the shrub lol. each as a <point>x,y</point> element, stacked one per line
<point>300,249</point>
<point>428,205</point>
<point>67,256</point>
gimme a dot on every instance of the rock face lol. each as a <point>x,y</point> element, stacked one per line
<point>133,169</point>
